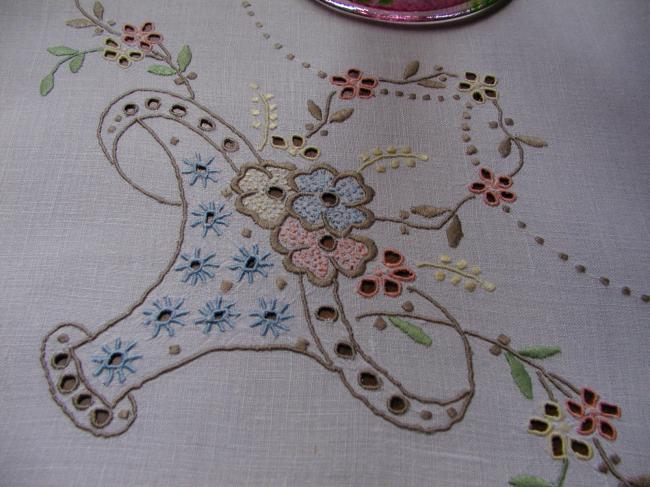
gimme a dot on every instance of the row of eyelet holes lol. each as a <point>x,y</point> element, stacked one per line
<point>366,379</point>
<point>177,110</point>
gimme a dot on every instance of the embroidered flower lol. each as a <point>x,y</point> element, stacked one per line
<point>593,414</point>
<point>321,255</point>
<point>270,317</point>
<point>263,190</point>
<point>493,188</point>
<point>326,198</point>
<point>217,313</point>
<point>481,89</point>
<point>114,51</point>
<point>354,84</point>
<point>164,315</point>
<point>199,169</point>
<point>196,267</point>
<point>250,263</point>
<point>390,278</point>
<point>143,37</point>
<point>553,426</point>
<point>116,361</point>
<point>210,217</point>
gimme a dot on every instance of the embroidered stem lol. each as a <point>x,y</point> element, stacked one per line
<point>267,120</point>
<point>370,162</point>
<point>416,80</point>
<point>449,268</point>
<point>67,58</point>
<point>420,226</point>
<point>546,387</point>
<point>167,58</point>
<point>610,465</point>
<point>326,116</point>
<point>96,21</point>
<point>514,140</point>
<point>563,472</point>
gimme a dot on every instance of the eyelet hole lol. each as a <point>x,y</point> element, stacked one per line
<point>230,145</point>
<point>82,401</point>
<point>178,111</point>
<point>152,103</point>
<point>68,383</point>
<point>327,313</point>
<point>327,243</point>
<point>206,124</point>
<point>130,109</point>
<point>369,380</point>
<point>329,199</point>
<point>344,350</point>
<point>100,417</point>
<point>60,360</point>
<point>276,193</point>
<point>398,405</point>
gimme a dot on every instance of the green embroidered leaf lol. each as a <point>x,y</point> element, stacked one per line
<point>529,481</point>
<point>98,10</point>
<point>184,58</point>
<point>520,376</point>
<point>540,352</point>
<point>161,70</point>
<point>61,50</point>
<point>79,23</point>
<point>47,84</point>
<point>76,62</point>
<point>414,332</point>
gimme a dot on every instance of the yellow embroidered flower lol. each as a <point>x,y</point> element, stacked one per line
<point>117,52</point>
<point>553,426</point>
<point>263,189</point>
<point>481,89</point>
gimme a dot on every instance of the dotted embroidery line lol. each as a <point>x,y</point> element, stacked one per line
<point>564,257</point>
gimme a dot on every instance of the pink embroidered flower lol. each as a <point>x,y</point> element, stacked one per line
<point>320,254</point>
<point>354,84</point>
<point>494,189</point>
<point>389,278</point>
<point>144,37</point>
<point>593,414</point>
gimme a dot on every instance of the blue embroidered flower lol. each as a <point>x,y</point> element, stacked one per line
<point>199,169</point>
<point>270,318</point>
<point>196,267</point>
<point>165,314</point>
<point>250,263</point>
<point>326,198</point>
<point>210,216</point>
<point>116,360</point>
<point>217,313</point>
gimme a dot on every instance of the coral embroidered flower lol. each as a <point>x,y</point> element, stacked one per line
<point>143,37</point>
<point>263,190</point>
<point>270,317</point>
<point>553,426</point>
<point>390,278</point>
<point>354,84</point>
<point>481,89</point>
<point>594,414</point>
<point>116,52</point>
<point>493,188</point>
<point>320,254</point>
<point>116,361</point>
<point>326,198</point>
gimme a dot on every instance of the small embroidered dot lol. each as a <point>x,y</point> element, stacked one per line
<point>259,25</point>
<point>439,276</point>
<point>291,57</point>
<point>470,286</point>
<point>410,162</point>
<point>280,283</point>
<point>277,45</point>
<point>118,118</point>
<point>471,150</point>
<point>426,97</point>
<point>394,164</point>
<point>124,414</point>
<point>399,93</point>
<point>111,129</point>
<point>226,192</point>
<point>412,96</point>
<point>445,259</point>
<point>306,65</point>
<point>426,415</point>
<point>324,133</point>
<point>509,122</point>
<point>469,105</point>
<point>174,349</point>
<point>63,338</point>
<point>465,127</point>
<point>521,224</point>
<point>443,78</point>
<point>173,140</point>
<point>503,339</point>
<point>461,264</point>
<point>580,268</point>
<point>266,35</point>
<point>602,468</point>
<point>441,98</point>
<point>451,412</point>
<point>476,162</point>
<point>302,344</point>
<point>505,209</point>
<point>226,286</point>
<point>380,168</point>
<point>493,124</point>
<point>404,230</point>
<point>466,138</point>
<point>246,232</point>
<point>563,256</point>
<point>604,281</point>
<point>495,350</point>
<point>309,126</point>
<point>626,291</point>
<point>192,75</point>
<point>251,13</point>
<point>380,323</point>
<point>383,91</point>
<point>322,74</point>
<point>437,67</point>
<point>178,81</point>
<point>455,280</point>
<point>615,459</point>
<point>403,214</point>
<point>466,116</point>
<point>645,298</point>
<point>245,4</point>
<point>539,240</point>
<point>456,97</point>
<point>408,307</point>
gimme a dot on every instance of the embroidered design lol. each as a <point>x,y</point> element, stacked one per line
<point>389,279</point>
<point>296,146</point>
<point>122,55</point>
<point>394,155</point>
<point>144,37</point>
<point>164,315</point>
<point>196,268</point>
<point>471,276</point>
<point>270,317</point>
<point>217,313</point>
<point>594,414</point>
<point>200,170</point>
<point>354,84</point>
<point>249,263</point>
<point>116,360</point>
<point>210,217</point>
<point>265,118</point>
<point>494,189</point>
<point>479,89</point>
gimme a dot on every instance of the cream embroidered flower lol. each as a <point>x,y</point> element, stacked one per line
<point>481,89</point>
<point>263,189</point>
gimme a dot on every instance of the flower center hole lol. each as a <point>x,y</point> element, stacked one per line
<point>276,193</point>
<point>368,286</point>
<point>327,242</point>
<point>270,315</point>
<point>60,360</point>
<point>209,217</point>
<point>218,315</point>
<point>251,263</point>
<point>368,380</point>
<point>115,359</point>
<point>329,199</point>
<point>164,315</point>
<point>200,168</point>
<point>195,264</point>
<point>391,287</point>
<point>392,258</point>
<point>327,313</point>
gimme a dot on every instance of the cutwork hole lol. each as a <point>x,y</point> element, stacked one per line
<point>217,315</point>
<point>329,199</point>
<point>579,447</point>
<point>391,286</point>
<point>392,258</point>
<point>478,96</point>
<point>206,124</point>
<point>354,73</point>
<point>490,93</point>
<point>368,380</point>
<point>339,80</point>
<point>100,417</point>
<point>83,401</point>
<point>610,409</point>
<point>311,153</point>
<point>116,359</point>
<point>164,315</point>
<point>130,109</point>
<point>489,80</point>
<point>178,111</point>
<point>60,360</point>
<point>404,274</point>
<point>327,313</point>
<point>490,197</point>
<point>606,429</point>
<point>195,264</point>
<point>278,142</point>
<point>297,141</point>
<point>365,92</point>
<point>398,404</point>
<point>327,243</point>
<point>152,103</point>
<point>589,396</point>
<point>551,410</point>
<point>209,217</point>
<point>344,350</point>
<point>537,426</point>
<point>368,286</point>
<point>557,446</point>
<point>68,383</point>
<point>230,145</point>
<point>471,76</point>
<point>250,263</point>
<point>276,193</point>
<point>270,315</point>
<point>347,92</point>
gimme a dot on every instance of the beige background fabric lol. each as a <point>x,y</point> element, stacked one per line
<point>79,245</point>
